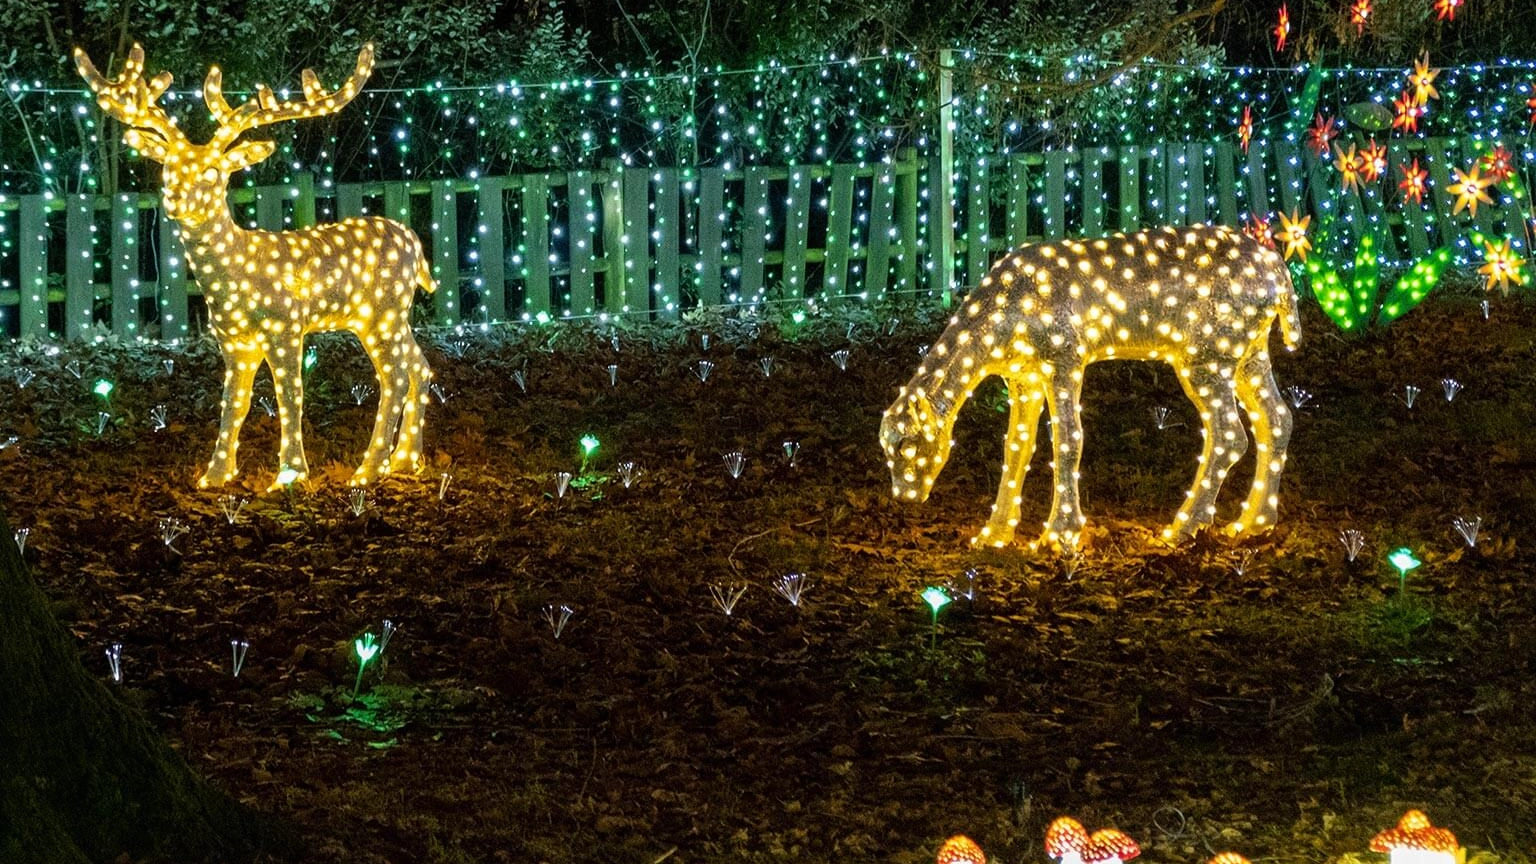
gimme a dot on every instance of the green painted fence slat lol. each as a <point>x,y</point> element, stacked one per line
<point>906,223</point>
<point>978,220</point>
<point>490,247</point>
<point>1018,201</point>
<point>535,212</point>
<point>615,278</point>
<point>711,235</point>
<point>397,203</point>
<point>1093,190</point>
<point>636,248</point>
<point>349,201</point>
<point>1440,184</point>
<point>1289,167</point>
<point>669,229</point>
<point>33,251</point>
<point>1055,194</point>
<point>583,236</point>
<point>797,225</point>
<point>1258,203</point>
<point>839,243</point>
<point>269,207</point>
<point>877,273</point>
<point>79,275</point>
<point>304,201</point>
<point>1130,188</point>
<point>125,264</point>
<point>1226,184</point>
<point>1198,210</point>
<point>754,225</point>
<point>174,323</point>
<point>445,252</point>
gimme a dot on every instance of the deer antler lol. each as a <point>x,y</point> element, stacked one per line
<point>264,109</point>
<point>131,100</point>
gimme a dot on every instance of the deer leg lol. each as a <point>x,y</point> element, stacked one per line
<point>1024,406</point>
<point>1064,525</point>
<point>385,357</point>
<point>240,365</point>
<point>1271,421</point>
<point>1225,441</point>
<point>286,357</point>
<point>413,366</point>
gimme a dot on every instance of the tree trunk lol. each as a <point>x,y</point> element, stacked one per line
<point>82,776</point>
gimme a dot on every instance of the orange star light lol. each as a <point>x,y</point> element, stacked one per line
<point>1282,29</point>
<point>1415,182</point>
<point>1469,189</point>
<point>1359,12</point>
<point>1258,228</point>
<point>1408,112</point>
<point>1504,268</point>
<point>1423,80</point>
<point>1349,164</point>
<point>1499,163</point>
<point>1293,233</point>
<point>1373,162</point>
<point>1320,136</point>
<point>1245,128</point>
<point>1445,10</point>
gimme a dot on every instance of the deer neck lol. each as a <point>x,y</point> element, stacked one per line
<point>950,371</point>
<point>211,245</point>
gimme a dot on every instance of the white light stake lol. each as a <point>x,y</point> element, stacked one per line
<point>557,616</point>
<point>237,649</point>
<point>266,405</point>
<point>520,378</point>
<point>562,483</point>
<point>735,463</point>
<point>613,374</point>
<point>1297,397</point>
<point>1410,393</point>
<point>442,395</point>
<point>1452,387</point>
<point>791,453</point>
<point>20,535</point>
<point>115,661</point>
<point>701,370</point>
<point>1353,542</point>
<point>442,485</point>
<point>840,359</point>
<point>170,529</point>
<point>727,596</point>
<point>169,365</point>
<point>230,506</point>
<point>73,368</point>
<point>102,420</point>
<point>157,418</point>
<point>1160,418</point>
<point>792,586</point>
<point>767,365</point>
<point>24,377</point>
<point>385,631</point>
<point>628,474</point>
<point>1468,527</point>
<point>357,501</point>
<point>361,392</point>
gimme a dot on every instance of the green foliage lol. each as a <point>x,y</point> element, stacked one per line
<point>1354,308</point>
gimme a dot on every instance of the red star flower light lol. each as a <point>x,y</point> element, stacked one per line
<point>1245,128</point>
<point>1407,112</point>
<point>1321,134</point>
<point>1499,163</point>
<point>1282,29</point>
<point>1415,182</point>
<point>1445,10</point>
<point>1258,228</point>
<point>1373,162</point>
<point>1359,13</point>
<point>1531,104</point>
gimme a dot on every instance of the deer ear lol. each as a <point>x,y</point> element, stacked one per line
<point>246,154</point>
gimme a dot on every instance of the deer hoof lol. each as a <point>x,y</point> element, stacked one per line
<point>993,537</point>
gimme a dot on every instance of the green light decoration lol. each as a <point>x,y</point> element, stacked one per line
<point>311,357</point>
<point>1352,309</point>
<point>589,445</point>
<point>103,389</point>
<point>367,648</point>
<point>936,598</point>
<point>1403,560</point>
<point>286,477</point>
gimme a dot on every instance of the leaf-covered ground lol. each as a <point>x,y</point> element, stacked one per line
<point>1268,696</point>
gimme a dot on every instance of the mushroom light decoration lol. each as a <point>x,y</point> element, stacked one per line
<point>1202,299</point>
<point>960,849</point>
<point>1415,841</point>
<point>1067,841</point>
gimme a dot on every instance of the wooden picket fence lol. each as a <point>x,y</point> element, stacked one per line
<point>657,242</point>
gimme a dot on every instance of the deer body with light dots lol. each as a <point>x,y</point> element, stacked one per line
<point>1202,299</point>
<point>266,290</point>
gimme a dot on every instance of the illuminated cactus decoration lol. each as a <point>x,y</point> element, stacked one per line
<point>267,290</point>
<point>1201,299</point>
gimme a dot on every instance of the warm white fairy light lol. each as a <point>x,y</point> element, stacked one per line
<point>267,290</point>
<point>1202,299</point>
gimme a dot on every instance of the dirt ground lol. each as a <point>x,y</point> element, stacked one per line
<point>1267,696</point>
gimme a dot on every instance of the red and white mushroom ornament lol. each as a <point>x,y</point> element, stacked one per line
<point>1415,841</point>
<point>1070,843</point>
<point>961,849</point>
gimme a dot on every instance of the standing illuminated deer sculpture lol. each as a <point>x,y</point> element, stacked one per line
<point>266,290</point>
<point>1201,299</point>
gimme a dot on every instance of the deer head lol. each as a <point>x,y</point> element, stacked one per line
<point>916,440</point>
<point>195,177</point>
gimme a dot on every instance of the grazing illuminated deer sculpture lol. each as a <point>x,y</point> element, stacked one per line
<point>1201,299</point>
<point>266,290</point>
